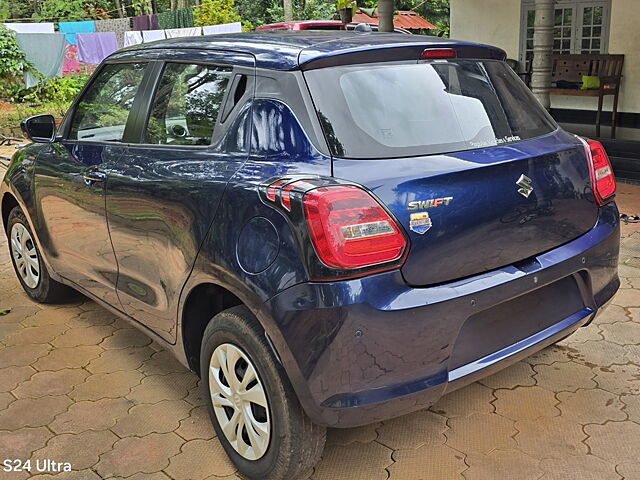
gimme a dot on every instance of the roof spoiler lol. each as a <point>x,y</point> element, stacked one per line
<point>394,53</point>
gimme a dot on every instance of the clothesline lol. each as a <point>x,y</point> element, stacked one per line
<point>62,16</point>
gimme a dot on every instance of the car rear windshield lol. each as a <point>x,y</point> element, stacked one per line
<point>391,110</point>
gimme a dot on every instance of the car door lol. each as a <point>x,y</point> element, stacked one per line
<point>70,186</point>
<point>162,194</point>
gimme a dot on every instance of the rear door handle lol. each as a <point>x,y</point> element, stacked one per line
<point>92,176</point>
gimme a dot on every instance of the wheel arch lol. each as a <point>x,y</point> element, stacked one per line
<point>9,202</point>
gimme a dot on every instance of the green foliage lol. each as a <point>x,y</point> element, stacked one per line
<point>63,90</point>
<point>12,64</point>
<point>303,10</point>
<point>215,12</point>
<point>64,10</point>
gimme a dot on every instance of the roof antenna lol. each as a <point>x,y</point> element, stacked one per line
<point>363,28</point>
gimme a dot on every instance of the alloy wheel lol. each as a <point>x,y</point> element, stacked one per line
<point>25,255</point>
<point>239,401</point>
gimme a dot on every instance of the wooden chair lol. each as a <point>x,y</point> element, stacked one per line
<point>572,67</point>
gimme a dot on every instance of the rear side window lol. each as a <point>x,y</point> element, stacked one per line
<point>102,113</point>
<point>186,105</point>
<point>397,110</point>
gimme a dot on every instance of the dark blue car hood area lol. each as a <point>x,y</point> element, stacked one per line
<point>468,216</point>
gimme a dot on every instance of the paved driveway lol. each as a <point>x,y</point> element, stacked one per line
<point>79,385</point>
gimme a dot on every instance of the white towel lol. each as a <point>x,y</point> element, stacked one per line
<point>152,35</point>
<point>223,28</point>
<point>183,32</point>
<point>31,27</point>
<point>132,38</point>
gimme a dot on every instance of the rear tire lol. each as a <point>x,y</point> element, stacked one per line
<point>290,444</point>
<point>28,265</point>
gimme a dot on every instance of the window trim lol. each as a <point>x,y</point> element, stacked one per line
<point>67,122</point>
<point>576,34</point>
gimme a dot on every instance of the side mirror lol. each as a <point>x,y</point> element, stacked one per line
<point>40,128</point>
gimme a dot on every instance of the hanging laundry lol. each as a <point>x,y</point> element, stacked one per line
<point>95,47</point>
<point>117,25</point>
<point>45,51</point>
<point>71,28</point>
<point>146,22</point>
<point>132,38</point>
<point>182,18</point>
<point>31,27</point>
<point>183,32</point>
<point>223,28</point>
<point>70,64</point>
<point>152,35</point>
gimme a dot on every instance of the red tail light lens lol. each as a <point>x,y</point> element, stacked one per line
<point>438,53</point>
<point>349,229</point>
<point>604,182</point>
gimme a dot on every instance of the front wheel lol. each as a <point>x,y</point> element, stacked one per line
<point>28,264</point>
<point>252,405</point>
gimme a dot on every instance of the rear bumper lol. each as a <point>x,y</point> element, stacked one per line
<point>365,350</point>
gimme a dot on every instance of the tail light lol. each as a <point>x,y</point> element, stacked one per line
<point>342,229</point>
<point>602,178</point>
<point>350,229</point>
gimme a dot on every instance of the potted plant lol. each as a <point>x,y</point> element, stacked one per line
<point>346,9</point>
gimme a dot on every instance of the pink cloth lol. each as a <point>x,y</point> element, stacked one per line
<point>71,63</point>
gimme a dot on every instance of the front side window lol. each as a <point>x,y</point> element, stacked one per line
<point>398,110</point>
<point>186,104</point>
<point>102,113</point>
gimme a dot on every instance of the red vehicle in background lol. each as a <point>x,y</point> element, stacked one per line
<point>321,25</point>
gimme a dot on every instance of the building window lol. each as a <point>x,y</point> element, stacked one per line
<point>579,27</point>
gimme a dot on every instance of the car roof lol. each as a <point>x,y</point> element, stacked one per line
<point>291,50</point>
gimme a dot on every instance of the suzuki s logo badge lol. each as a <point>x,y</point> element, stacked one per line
<point>524,183</point>
<point>420,222</point>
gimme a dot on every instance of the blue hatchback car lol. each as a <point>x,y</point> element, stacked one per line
<point>331,228</point>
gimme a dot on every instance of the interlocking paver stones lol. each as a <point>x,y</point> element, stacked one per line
<point>427,463</point>
<point>612,314</point>
<point>553,437</point>
<point>584,467</point>
<point>71,357</point>
<point>481,432</point>
<point>106,385</point>
<point>632,406</point>
<point>599,352</point>
<point>11,377</point>
<point>32,412</point>
<point>72,448</point>
<point>126,337</point>
<point>474,398</point>
<point>74,475</point>
<point>147,476</point>
<point>77,336</point>
<point>93,317</point>
<point>526,403</point>
<point>356,461</point>
<point>199,459</point>
<point>48,317</point>
<point>622,333</point>
<point>5,399</point>
<point>619,379</point>
<point>552,354</point>
<point>626,297</point>
<point>560,377</point>
<point>22,354</point>
<point>154,388</point>
<point>162,363</point>
<point>413,431</point>
<point>629,470</point>
<point>606,441</point>
<point>56,382</point>
<point>19,444</point>
<point>161,417</point>
<point>590,406</point>
<point>91,415</point>
<point>502,464</point>
<point>518,374</point>
<point>582,335</point>
<point>147,454</point>
<point>345,436</point>
<point>129,358</point>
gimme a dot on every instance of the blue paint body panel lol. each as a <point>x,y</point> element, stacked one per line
<point>356,350</point>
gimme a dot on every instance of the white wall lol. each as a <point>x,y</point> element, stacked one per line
<point>497,22</point>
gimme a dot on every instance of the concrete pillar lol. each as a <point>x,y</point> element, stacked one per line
<point>542,48</point>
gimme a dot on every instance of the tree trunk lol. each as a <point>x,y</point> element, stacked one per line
<point>542,49</point>
<point>119,9</point>
<point>288,10</point>
<point>385,15</point>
